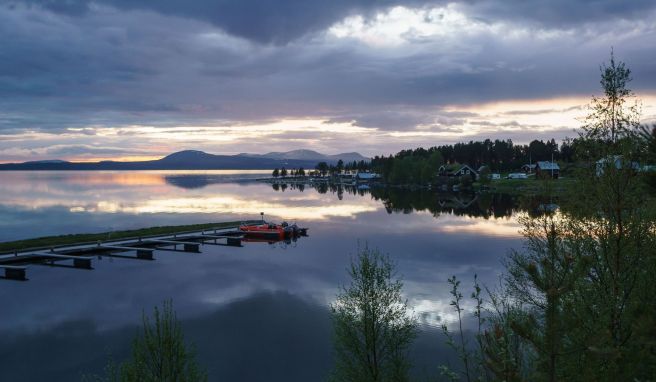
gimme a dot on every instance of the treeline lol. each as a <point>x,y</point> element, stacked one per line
<point>420,165</point>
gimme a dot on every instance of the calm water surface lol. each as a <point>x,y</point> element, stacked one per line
<point>256,313</point>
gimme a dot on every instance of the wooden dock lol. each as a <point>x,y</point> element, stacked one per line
<point>15,265</point>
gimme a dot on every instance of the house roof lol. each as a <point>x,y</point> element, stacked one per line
<point>455,167</point>
<point>544,165</point>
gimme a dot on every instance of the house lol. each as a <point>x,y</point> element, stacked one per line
<point>614,160</point>
<point>366,176</point>
<point>457,170</point>
<point>546,169</point>
<point>648,168</point>
<point>529,168</point>
<point>346,178</point>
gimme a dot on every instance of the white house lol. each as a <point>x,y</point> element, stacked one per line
<point>616,161</point>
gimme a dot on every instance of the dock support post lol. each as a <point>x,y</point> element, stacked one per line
<point>191,247</point>
<point>233,242</point>
<point>145,254</point>
<point>17,273</point>
<point>82,263</point>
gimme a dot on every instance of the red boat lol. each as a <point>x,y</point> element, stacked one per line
<point>264,229</point>
<point>277,231</point>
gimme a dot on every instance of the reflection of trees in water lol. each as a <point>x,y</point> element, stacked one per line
<point>399,200</point>
<point>460,204</point>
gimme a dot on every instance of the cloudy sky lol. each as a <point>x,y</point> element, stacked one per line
<point>96,79</point>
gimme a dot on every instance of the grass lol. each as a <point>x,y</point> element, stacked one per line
<point>532,186</point>
<point>90,238</point>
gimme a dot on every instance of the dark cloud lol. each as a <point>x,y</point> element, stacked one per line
<point>81,150</point>
<point>558,13</point>
<point>116,63</point>
<point>270,21</point>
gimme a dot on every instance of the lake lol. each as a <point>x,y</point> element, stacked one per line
<point>255,313</point>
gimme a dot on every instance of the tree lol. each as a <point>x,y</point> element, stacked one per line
<point>543,278</point>
<point>283,172</point>
<point>372,327</point>
<point>275,173</point>
<point>322,167</point>
<point>484,175</point>
<point>301,172</point>
<point>340,166</point>
<point>611,118</point>
<point>159,353</point>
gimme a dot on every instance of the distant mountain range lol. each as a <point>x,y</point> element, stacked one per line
<point>198,160</point>
<point>309,155</point>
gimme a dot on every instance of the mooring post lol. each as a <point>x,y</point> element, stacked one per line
<point>15,273</point>
<point>145,254</point>
<point>188,247</point>
<point>233,242</point>
<point>82,263</point>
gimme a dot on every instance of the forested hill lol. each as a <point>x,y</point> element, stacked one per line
<point>193,160</point>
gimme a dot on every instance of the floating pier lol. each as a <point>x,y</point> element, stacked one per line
<point>15,265</point>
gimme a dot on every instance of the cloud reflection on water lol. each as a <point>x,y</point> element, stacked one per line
<point>427,251</point>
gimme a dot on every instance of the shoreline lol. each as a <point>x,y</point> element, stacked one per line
<point>505,186</point>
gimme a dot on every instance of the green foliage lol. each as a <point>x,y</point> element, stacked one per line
<point>159,353</point>
<point>505,353</point>
<point>473,360</point>
<point>577,303</point>
<point>611,119</point>
<point>372,327</point>
<point>322,167</point>
<point>420,165</point>
<point>541,278</point>
<point>484,175</point>
<point>340,166</point>
<point>460,346</point>
<point>283,172</point>
<point>275,173</point>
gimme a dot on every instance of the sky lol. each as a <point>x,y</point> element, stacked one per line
<point>87,80</point>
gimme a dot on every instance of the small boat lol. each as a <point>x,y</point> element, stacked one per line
<point>279,231</point>
<point>264,229</point>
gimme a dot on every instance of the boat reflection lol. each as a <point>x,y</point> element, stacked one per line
<point>273,240</point>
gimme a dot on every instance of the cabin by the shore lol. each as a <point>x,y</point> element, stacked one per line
<point>529,168</point>
<point>546,169</point>
<point>457,170</point>
<point>616,161</point>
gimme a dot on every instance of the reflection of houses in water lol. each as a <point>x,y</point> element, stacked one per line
<point>456,201</point>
